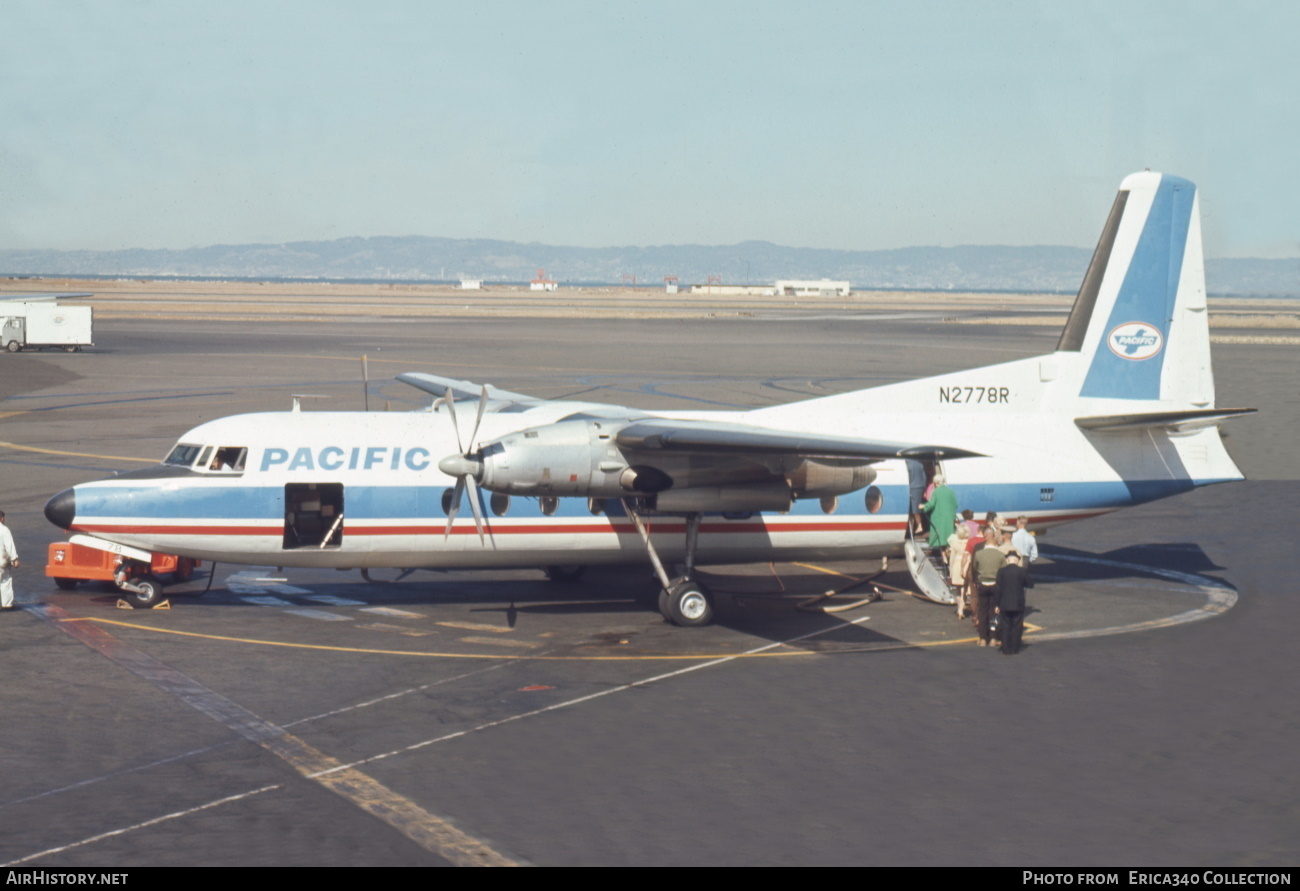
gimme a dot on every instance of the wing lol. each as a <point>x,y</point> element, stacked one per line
<point>721,438</point>
<point>463,390</point>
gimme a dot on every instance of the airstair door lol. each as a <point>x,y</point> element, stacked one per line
<point>929,580</point>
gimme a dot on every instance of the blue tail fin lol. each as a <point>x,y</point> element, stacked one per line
<point>1140,317</point>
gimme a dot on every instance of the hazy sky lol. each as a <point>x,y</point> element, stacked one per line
<point>838,125</point>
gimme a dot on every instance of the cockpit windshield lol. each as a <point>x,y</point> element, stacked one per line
<point>223,459</point>
<point>183,455</point>
<point>228,458</point>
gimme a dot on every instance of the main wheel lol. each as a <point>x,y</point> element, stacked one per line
<point>565,574</point>
<point>71,348</point>
<point>664,609</point>
<point>184,570</point>
<point>690,604</point>
<point>149,595</point>
<point>13,346</point>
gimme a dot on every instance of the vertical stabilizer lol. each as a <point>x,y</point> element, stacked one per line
<point>1140,318</point>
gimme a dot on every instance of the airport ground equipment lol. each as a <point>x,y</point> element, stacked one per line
<point>45,325</point>
<point>138,574</point>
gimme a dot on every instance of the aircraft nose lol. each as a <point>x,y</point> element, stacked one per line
<point>61,510</point>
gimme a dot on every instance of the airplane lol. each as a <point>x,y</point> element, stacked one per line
<point>1121,413</point>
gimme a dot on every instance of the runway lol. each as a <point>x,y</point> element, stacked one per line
<point>314,718</point>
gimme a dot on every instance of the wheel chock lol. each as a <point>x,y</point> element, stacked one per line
<point>123,603</point>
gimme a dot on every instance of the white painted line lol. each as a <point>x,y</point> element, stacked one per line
<point>319,614</point>
<point>474,626</point>
<point>154,822</point>
<point>266,601</point>
<point>1219,598</point>
<point>390,611</point>
<point>404,630</point>
<point>331,600</point>
<point>589,697</point>
<point>500,642</point>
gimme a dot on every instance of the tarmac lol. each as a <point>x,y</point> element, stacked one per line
<point>317,718</point>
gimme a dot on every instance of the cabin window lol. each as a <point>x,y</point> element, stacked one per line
<point>313,515</point>
<point>829,503</point>
<point>183,455</point>
<point>549,505</point>
<point>875,500</point>
<point>500,504</point>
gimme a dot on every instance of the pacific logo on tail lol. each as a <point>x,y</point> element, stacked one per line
<point>1135,340</point>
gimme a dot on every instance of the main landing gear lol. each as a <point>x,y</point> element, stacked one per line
<point>683,600</point>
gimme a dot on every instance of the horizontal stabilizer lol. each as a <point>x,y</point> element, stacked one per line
<point>1174,420</point>
<point>717,436</point>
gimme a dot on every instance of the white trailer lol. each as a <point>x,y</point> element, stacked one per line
<point>37,325</point>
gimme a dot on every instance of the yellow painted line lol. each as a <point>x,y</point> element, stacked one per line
<point>648,657</point>
<point>23,448</point>
<point>434,655</point>
<point>10,414</point>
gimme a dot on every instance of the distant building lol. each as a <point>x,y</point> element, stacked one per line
<point>735,290</point>
<point>471,284</point>
<point>820,288</point>
<point>542,283</point>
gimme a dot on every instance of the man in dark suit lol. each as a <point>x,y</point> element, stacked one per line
<point>1009,593</point>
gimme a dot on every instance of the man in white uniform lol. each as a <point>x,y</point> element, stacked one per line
<point>8,560</point>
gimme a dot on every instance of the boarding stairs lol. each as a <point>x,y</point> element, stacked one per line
<point>928,571</point>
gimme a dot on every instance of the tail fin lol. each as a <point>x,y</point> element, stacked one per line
<point>1139,321</point>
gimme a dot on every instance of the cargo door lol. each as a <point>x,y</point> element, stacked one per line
<point>313,515</point>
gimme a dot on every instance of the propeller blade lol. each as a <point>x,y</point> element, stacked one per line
<point>455,506</point>
<point>451,410</point>
<point>482,404</point>
<point>473,504</point>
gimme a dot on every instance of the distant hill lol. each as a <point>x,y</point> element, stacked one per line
<point>422,258</point>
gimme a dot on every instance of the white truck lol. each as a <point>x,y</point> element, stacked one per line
<point>38,325</point>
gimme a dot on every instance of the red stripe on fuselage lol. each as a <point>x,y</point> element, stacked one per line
<point>622,527</point>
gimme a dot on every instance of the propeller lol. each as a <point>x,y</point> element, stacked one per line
<point>463,466</point>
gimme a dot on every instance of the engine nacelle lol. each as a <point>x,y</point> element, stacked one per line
<point>825,477</point>
<point>573,458</point>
